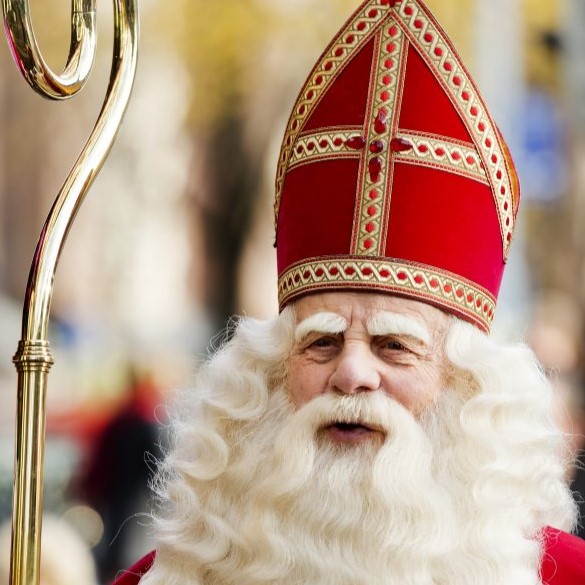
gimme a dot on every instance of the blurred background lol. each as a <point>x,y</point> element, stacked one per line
<point>176,234</point>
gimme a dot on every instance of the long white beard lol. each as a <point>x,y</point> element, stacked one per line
<point>292,508</point>
<point>296,509</point>
<point>250,494</point>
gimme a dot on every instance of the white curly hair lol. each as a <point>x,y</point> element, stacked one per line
<point>458,495</point>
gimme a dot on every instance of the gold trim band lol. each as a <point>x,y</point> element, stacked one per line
<point>327,144</point>
<point>370,222</point>
<point>420,282</point>
<point>444,153</point>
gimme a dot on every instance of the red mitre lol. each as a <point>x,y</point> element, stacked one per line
<point>392,175</point>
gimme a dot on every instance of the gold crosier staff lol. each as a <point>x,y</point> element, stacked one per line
<point>33,357</point>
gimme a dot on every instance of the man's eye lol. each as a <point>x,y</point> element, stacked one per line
<point>323,342</point>
<point>393,345</point>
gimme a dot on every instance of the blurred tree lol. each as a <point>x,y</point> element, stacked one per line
<point>542,42</point>
<point>226,44</point>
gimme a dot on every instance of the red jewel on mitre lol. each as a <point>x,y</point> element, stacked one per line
<point>392,175</point>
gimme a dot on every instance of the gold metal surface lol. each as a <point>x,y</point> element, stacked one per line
<point>29,60</point>
<point>33,358</point>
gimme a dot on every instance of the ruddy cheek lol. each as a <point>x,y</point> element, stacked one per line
<point>303,384</point>
<point>412,393</point>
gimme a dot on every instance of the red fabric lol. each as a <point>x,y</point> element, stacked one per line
<point>563,561</point>
<point>135,572</point>
<point>316,218</point>
<point>425,105</point>
<point>436,218</point>
<point>447,221</point>
<point>438,214</point>
<point>344,102</point>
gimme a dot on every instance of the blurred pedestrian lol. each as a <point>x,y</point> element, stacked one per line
<point>116,480</point>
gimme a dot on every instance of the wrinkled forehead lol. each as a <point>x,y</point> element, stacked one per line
<point>373,310</point>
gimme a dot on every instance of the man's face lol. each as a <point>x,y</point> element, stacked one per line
<point>347,343</point>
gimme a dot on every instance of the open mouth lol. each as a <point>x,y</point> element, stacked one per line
<point>352,432</point>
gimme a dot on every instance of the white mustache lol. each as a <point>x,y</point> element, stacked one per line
<point>375,410</point>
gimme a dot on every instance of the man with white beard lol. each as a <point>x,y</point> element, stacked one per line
<point>373,433</point>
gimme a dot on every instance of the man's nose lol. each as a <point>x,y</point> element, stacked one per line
<point>356,371</point>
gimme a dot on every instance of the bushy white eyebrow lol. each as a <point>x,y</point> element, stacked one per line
<point>321,323</point>
<point>387,323</point>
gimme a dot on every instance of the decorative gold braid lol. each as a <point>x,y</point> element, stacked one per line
<point>432,150</point>
<point>387,275</point>
<point>325,144</point>
<point>445,153</point>
<point>350,40</point>
<point>369,228</point>
<point>432,43</point>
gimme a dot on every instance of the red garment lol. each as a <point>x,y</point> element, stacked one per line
<point>133,574</point>
<point>563,562</point>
